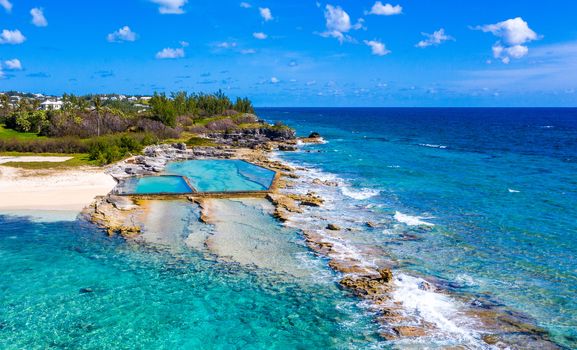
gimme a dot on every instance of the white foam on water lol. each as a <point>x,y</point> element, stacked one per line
<point>432,145</point>
<point>437,308</point>
<point>361,194</point>
<point>411,220</point>
<point>513,191</point>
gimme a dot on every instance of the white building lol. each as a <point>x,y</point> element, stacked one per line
<point>51,105</point>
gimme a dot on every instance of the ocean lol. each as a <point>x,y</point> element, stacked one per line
<point>499,186</point>
<point>481,202</point>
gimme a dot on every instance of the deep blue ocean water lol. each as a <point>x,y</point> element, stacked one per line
<point>500,186</point>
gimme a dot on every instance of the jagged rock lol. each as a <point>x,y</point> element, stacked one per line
<point>287,148</point>
<point>284,202</point>
<point>325,183</point>
<point>386,274</point>
<point>314,135</point>
<point>366,287</point>
<point>121,203</point>
<point>333,227</point>
<point>310,199</point>
<point>410,331</point>
<point>371,224</point>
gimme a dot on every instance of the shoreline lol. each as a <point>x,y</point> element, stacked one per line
<point>52,189</point>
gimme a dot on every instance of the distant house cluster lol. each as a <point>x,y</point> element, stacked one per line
<point>54,103</point>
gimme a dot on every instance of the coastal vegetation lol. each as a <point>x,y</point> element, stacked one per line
<point>107,129</point>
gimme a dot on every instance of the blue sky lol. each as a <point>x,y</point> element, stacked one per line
<point>298,53</point>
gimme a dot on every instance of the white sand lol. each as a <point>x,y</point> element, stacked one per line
<point>54,190</point>
<point>26,159</point>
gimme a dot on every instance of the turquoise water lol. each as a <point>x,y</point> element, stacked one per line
<point>223,175</point>
<point>499,186</point>
<point>155,185</point>
<point>68,285</point>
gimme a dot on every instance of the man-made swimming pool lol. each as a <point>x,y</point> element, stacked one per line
<point>223,175</point>
<point>154,185</point>
<point>211,175</point>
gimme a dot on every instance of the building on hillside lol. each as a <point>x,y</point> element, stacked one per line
<point>51,105</point>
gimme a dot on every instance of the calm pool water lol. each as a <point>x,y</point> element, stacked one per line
<point>223,175</point>
<point>156,184</point>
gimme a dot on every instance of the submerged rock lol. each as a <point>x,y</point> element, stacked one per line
<point>85,290</point>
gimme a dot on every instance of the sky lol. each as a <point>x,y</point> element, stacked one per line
<point>297,53</point>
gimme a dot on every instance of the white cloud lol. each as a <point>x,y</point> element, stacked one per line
<point>11,37</point>
<point>385,10</point>
<point>38,18</point>
<point>226,45</point>
<point>514,34</point>
<point>170,7</point>
<point>274,80</point>
<point>122,34</point>
<point>437,38</point>
<point>260,36</point>
<point>245,5</point>
<point>265,13</point>
<point>184,43</point>
<point>248,51</point>
<point>377,47</point>
<point>170,53</point>
<point>338,22</point>
<point>13,64</point>
<point>7,5</point>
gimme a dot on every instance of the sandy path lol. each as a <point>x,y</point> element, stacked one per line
<point>69,190</point>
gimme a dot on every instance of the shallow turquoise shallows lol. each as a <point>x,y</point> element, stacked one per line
<point>156,184</point>
<point>67,285</point>
<point>223,175</point>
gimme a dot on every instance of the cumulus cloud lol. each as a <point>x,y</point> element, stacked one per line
<point>13,64</point>
<point>7,5</point>
<point>338,22</point>
<point>377,47</point>
<point>170,7</point>
<point>274,80</point>
<point>245,5</point>
<point>260,35</point>
<point>437,38</point>
<point>170,53</point>
<point>385,10</point>
<point>265,13</point>
<point>38,18</point>
<point>11,37</point>
<point>514,34</point>
<point>122,34</point>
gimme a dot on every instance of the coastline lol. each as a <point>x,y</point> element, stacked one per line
<point>303,199</point>
<point>392,295</point>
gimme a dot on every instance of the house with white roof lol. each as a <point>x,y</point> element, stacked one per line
<point>51,105</point>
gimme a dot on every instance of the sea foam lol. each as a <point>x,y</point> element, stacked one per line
<point>411,220</point>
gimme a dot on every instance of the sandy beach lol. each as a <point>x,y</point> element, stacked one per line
<point>54,190</point>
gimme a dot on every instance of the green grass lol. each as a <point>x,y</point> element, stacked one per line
<point>9,133</point>
<point>78,159</point>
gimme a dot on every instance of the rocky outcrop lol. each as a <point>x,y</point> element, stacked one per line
<point>155,158</point>
<point>115,215</point>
